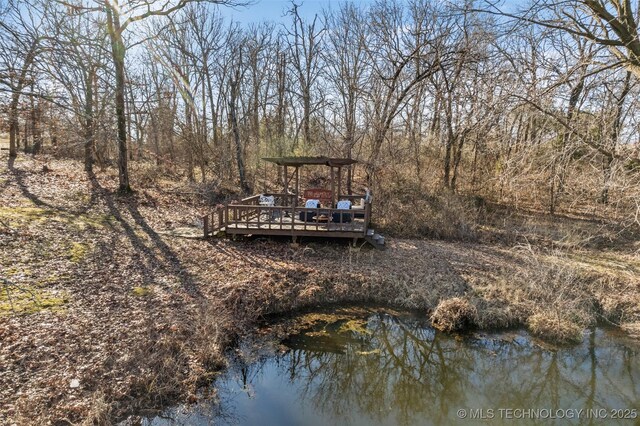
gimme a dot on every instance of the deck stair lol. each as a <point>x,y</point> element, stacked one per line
<point>374,239</point>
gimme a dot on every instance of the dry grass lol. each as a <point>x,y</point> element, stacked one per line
<point>406,209</point>
<point>100,413</point>
<point>556,297</point>
<point>633,329</point>
<point>455,314</point>
<point>554,328</point>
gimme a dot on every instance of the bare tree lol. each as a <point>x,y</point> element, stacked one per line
<point>235,79</point>
<point>118,18</point>
<point>74,59</point>
<point>609,23</point>
<point>347,70</point>
<point>401,60</point>
<point>206,25</point>
<point>612,140</point>
<point>304,47</point>
<point>20,44</point>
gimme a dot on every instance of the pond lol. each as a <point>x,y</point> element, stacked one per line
<point>389,368</point>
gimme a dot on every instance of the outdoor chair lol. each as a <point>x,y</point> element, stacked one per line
<point>341,217</point>
<point>268,201</point>
<point>307,216</point>
<point>359,208</point>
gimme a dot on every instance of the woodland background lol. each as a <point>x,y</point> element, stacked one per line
<point>533,108</point>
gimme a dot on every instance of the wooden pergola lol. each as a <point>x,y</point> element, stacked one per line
<point>335,164</point>
<point>280,214</point>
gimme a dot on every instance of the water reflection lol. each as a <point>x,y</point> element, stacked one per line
<point>385,369</point>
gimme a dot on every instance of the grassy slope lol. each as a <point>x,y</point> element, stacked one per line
<point>96,289</point>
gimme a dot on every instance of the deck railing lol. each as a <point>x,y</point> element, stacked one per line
<point>292,218</point>
<point>250,215</point>
<point>214,221</point>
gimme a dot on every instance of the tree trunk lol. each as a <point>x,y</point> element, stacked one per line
<point>13,131</point>
<point>133,148</point>
<point>456,161</point>
<point>280,111</point>
<point>35,125</point>
<point>212,102</point>
<point>474,166</point>
<point>88,112</point>
<point>26,147</point>
<point>204,137</point>
<point>236,137</point>
<point>452,138</point>
<point>188,138</point>
<point>606,174</point>
<point>447,160</point>
<point>561,162</point>
<point>15,98</point>
<point>118,54</point>
<point>615,132</point>
<point>306,118</point>
<point>255,108</point>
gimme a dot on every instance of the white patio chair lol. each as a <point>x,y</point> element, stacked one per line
<point>268,201</point>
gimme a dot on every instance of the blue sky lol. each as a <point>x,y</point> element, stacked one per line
<point>274,10</point>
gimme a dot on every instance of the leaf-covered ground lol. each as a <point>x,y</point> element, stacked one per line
<point>107,308</point>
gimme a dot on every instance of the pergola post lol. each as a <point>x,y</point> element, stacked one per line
<point>339,185</point>
<point>333,187</point>
<point>285,181</point>
<point>295,200</point>
<point>281,175</point>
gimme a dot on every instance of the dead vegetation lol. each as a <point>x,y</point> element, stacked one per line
<point>407,209</point>
<point>455,314</point>
<point>146,315</point>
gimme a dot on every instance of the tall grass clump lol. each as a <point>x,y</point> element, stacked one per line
<point>407,209</point>
<point>455,314</point>
<point>557,296</point>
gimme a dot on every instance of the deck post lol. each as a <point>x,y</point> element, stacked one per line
<point>259,214</point>
<point>295,200</point>
<point>284,179</point>
<point>367,216</point>
<point>333,188</point>
<point>339,185</point>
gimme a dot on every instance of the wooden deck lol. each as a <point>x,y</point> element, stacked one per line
<point>297,227</point>
<point>251,218</point>
<point>280,214</point>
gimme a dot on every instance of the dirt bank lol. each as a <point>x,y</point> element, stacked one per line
<point>106,308</point>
